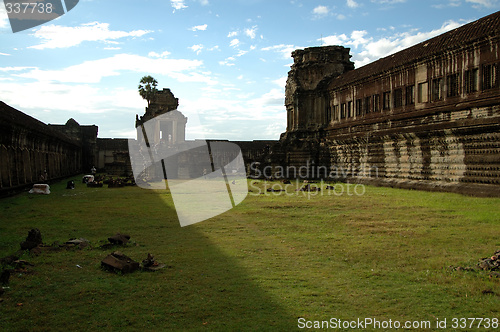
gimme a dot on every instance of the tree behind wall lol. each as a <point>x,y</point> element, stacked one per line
<point>147,88</point>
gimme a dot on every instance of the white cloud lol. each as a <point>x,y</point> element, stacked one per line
<point>58,97</point>
<point>335,40</point>
<point>281,82</point>
<point>204,2</point>
<point>4,19</point>
<point>223,116</point>
<point>5,54</point>
<point>57,36</point>
<point>251,32</point>
<point>6,69</point>
<point>227,62</point>
<point>390,2</point>
<point>275,97</point>
<point>352,4</point>
<point>483,3</point>
<point>232,34</point>
<point>196,48</point>
<point>451,3</point>
<point>234,43</point>
<point>370,49</point>
<point>94,71</point>
<point>157,55</point>
<point>321,11</point>
<point>285,50</point>
<point>199,27</point>
<point>241,52</point>
<point>178,4</point>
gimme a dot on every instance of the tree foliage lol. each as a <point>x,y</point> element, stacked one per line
<point>147,88</point>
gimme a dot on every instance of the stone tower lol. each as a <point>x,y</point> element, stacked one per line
<point>306,98</point>
<point>171,126</point>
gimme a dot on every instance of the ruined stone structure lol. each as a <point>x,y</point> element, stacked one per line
<point>31,151</point>
<point>172,127</point>
<point>427,117</point>
<point>113,157</point>
<point>86,136</point>
<point>162,129</point>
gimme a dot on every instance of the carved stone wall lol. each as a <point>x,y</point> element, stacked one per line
<point>86,136</point>
<point>29,149</point>
<point>427,117</point>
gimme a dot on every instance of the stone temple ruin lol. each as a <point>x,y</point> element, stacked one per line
<point>427,117</point>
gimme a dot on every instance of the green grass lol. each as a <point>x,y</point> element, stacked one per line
<point>260,266</point>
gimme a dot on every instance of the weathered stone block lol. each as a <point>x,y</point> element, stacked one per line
<point>117,261</point>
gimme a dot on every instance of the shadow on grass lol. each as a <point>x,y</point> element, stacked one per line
<point>200,288</point>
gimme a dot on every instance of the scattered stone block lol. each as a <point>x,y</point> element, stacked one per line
<point>117,261</point>
<point>119,238</point>
<point>33,240</point>
<point>272,190</point>
<point>309,188</point>
<point>40,189</point>
<point>490,263</point>
<point>87,178</point>
<point>150,264</point>
<point>9,260</point>
<point>79,243</point>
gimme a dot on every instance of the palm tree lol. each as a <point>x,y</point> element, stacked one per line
<point>147,88</point>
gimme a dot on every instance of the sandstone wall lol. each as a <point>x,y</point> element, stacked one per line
<point>427,117</point>
<point>30,149</point>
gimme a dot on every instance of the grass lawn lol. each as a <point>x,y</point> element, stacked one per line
<point>379,253</point>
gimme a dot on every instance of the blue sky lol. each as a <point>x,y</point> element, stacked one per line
<point>226,61</point>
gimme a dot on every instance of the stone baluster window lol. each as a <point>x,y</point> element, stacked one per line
<point>453,85</point>
<point>471,80</point>
<point>489,76</point>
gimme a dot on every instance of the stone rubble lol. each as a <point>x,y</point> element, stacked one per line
<point>491,263</point>
<point>33,240</point>
<point>117,261</point>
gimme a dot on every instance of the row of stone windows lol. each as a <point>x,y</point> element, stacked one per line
<point>405,96</point>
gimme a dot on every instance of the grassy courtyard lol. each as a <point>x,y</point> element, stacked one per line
<point>377,253</point>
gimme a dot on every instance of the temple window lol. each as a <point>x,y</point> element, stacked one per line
<point>471,80</point>
<point>387,100</point>
<point>410,95</point>
<point>452,85</point>
<point>489,76</point>
<point>398,97</point>
<point>423,92</point>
